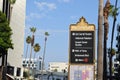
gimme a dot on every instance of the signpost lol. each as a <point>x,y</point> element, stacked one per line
<point>81,49</point>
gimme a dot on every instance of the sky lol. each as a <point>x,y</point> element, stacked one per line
<point>55,17</point>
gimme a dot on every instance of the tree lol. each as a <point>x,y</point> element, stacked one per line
<point>100,41</point>
<point>43,63</point>
<point>33,30</point>
<point>109,10</point>
<point>5,38</point>
<point>25,74</point>
<point>55,70</point>
<point>28,41</point>
<point>5,33</point>
<point>111,54</point>
<point>46,35</point>
<point>106,28</point>
<point>114,13</point>
<point>36,49</point>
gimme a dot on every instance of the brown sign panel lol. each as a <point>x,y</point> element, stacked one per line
<point>81,50</point>
<point>82,47</point>
<point>82,43</point>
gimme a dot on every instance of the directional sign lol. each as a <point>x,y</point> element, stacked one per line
<point>81,51</point>
<point>81,46</point>
<point>82,43</point>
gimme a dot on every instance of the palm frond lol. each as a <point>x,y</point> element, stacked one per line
<point>33,29</point>
<point>47,34</point>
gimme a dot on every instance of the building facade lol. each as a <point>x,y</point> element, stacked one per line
<point>17,24</point>
<point>33,64</point>
<point>58,67</point>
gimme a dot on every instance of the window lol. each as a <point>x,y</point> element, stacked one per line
<point>32,65</point>
<point>28,65</point>
<point>27,62</point>
<point>10,70</point>
<point>40,66</point>
<point>18,72</point>
<point>23,61</point>
<point>24,65</point>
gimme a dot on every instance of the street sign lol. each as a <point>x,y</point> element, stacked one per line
<point>82,43</point>
<point>81,51</point>
<point>81,47</point>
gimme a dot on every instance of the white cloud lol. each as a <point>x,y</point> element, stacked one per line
<point>66,1</point>
<point>34,16</point>
<point>45,5</point>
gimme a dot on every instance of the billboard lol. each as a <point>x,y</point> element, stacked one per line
<point>82,72</point>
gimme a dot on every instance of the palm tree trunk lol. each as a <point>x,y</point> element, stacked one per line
<point>44,55</point>
<point>105,56</point>
<point>114,21</point>
<point>26,56</point>
<point>43,63</point>
<point>32,43</point>
<point>29,62</point>
<point>100,41</point>
<point>26,53</point>
<point>30,56</point>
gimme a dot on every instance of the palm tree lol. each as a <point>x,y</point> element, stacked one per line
<point>113,13</point>
<point>106,27</point>
<point>46,35</point>
<point>28,41</point>
<point>33,30</point>
<point>43,63</point>
<point>36,48</point>
<point>12,2</point>
<point>100,41</point>
<point>111,54</point>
